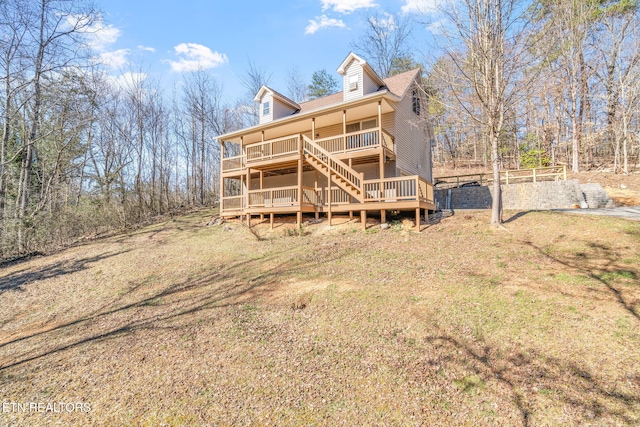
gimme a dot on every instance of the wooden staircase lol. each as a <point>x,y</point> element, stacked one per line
<point>344,176</point>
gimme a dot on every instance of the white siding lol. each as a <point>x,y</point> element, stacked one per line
<point>369,85</point>
<point>353,69</point>
<point>412,138</point>
<point>267,97</point>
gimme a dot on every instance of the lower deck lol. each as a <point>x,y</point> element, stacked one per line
<point>409,193</point>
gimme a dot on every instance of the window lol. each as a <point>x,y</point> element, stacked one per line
<point>353,82</point>
<point>266,108</point>
<point>416,102</point>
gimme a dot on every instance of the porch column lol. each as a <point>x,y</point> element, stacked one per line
<point>329,199</point>
<point>363,219</point>
<point>383,213</point>
<point>262,188</point>
<point>248,187</point>
<point>344,129</point>
<point>313,129</point>
<point>221,197</point>
<point>246,177</point>
<point>315,186</point>
<point>300,191</point>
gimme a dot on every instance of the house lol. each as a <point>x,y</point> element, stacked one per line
<point>366,148</point>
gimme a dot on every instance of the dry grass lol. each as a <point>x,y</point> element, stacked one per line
<point>184,324</point>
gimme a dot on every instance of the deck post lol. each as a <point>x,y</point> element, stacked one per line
<point>329,200</point>
<point>249,220</point>
<point>261,217</point>
<point>271,220</point>
<point>300,170</point>
<point>418,220</point>
<point>363,219</point>
<point>383,213</point>
<point>344,131</point>
<point>299,219</point>
<point>350,215</point>
<point>222,153</point>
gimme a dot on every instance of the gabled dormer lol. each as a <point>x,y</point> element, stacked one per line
<point>273,105</point>
<point>358,78</point>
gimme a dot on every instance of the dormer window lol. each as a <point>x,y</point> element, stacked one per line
<point>416,102</point>
<point>266,108</point>
<point>353,82</point>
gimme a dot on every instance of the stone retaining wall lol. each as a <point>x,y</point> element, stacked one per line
<point>527,196</point>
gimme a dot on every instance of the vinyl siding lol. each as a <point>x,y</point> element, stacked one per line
<point>413,150</point>
<point>277,109</point>
<point>281,110</point>
<point>353,69</point>
<point>267,97</point>
<point>388,122</point>
<point>369,85</point>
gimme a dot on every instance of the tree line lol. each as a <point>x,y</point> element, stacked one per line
<point>509,83</point>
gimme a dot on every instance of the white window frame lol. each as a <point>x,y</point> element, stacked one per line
<point>353,82</point>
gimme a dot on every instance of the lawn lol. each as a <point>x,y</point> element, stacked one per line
<point>184,323</point>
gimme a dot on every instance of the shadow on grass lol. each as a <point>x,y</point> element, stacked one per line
<point>216,287</point>
<point>522,371</point>
<point>517,216</point>
<point>602,264</point>
<point>17,280</point>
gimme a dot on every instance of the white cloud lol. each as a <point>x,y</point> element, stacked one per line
<point>127,80</point>
<point>195,56</point>
<point>322,22</point>
<point>347,6</point>
<point>147,48</point>
<point>98,34</point>
<point>116,59</point>
<point>419,6</point>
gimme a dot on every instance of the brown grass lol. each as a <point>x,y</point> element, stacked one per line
<point>185,324</point>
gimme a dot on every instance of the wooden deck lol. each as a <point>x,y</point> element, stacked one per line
<point>347,190</point>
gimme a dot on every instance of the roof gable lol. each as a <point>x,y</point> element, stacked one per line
<point>365,66</point>
<point>276,96</point>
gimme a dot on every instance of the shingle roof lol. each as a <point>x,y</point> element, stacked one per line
<point>397,85</point>
<point>325,101</point>
<point>277,94</point>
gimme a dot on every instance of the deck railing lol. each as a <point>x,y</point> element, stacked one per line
<point>335,166</point>
<point>273,148</point>
<point>233,203</point>
<point>398,189</point>
<point>274,197</point>
<point>548,173</point>
<point>231,164</point>
<point>356,141</point>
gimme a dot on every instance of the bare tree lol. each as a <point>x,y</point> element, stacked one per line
<point>296,86</point>
<point>486,44</point>
<point>254,78</point>
<point>385,41</point>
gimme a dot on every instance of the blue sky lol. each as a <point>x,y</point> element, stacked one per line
<point>166,38</point>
